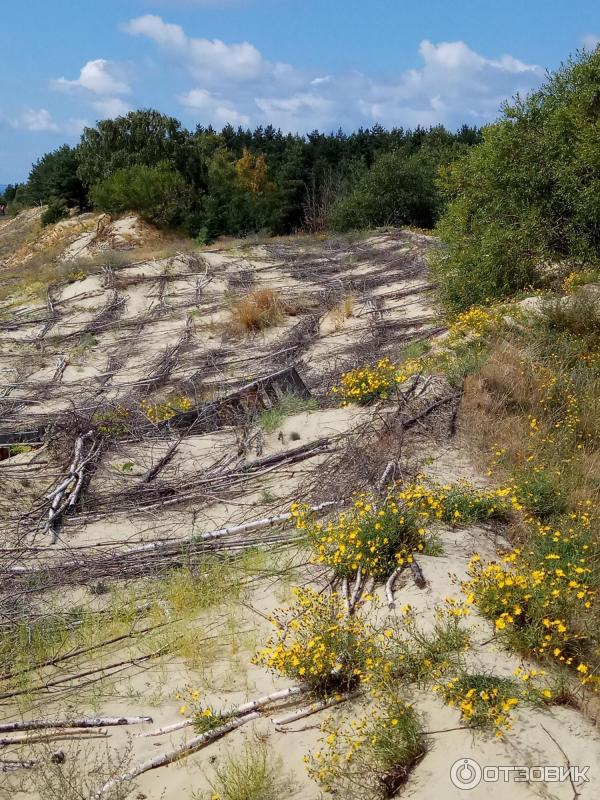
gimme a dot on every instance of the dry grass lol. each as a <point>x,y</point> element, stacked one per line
<point>260,309</point>
<point>498,398</point>
<point>343,311</point>
<point>498,404</point>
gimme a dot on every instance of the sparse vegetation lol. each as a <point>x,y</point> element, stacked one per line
<point>371,757</point>
<point>289,405</point>
<point>255,773</point>
<point>260,309</point>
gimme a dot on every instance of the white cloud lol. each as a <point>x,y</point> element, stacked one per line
<point>205,59</point>
<point>100,83</point>
<point>99,77</point>
<point>590,41</point>
<point>215,109</point>
<point>454,83</point>
<point>238,84</point>
<point>40,120</point>
<point>110,107</point>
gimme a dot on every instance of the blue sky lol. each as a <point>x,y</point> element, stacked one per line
<point>299,64</point>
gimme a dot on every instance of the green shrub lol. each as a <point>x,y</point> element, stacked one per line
<point>252,774</point>
<point>539,493</point>
<point>159,194</point>
<point>399,189</point>
<point>57,210</point>
<point>528,194</point>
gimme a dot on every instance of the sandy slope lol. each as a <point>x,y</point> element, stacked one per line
<point>112,361</point>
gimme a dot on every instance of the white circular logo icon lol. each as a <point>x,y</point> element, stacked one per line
<point>466,773</point>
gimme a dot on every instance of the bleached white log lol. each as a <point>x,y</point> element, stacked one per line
<point>389,586</point>
<point>192,746</point>
<point>246,708</point>
<point>313,708</point>
<point>78,722</point>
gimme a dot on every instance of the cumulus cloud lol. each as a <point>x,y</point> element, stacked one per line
<point>40,120</point>
<point>212,107</point>
<point>208,60</point>
<point>236,83</point>
<point>101,83</point>
<point>454,84</point>
<point>99,77</point>
<point>110,107</point>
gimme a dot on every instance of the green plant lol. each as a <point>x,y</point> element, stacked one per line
<point>540,492</point>
<point>255,773</point>
<point>17,449</point>
<point>399,189</point>
<point>158,193</point>
<point>420,656</point>
<point>463,504</point>
<point>57,210</point>
<point>289,405</point>
<point>527,194</point>
<point>372,757</point>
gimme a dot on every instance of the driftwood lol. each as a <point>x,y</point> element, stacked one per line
<point>389,586</point>
<point>161,463</point>
<point>313,708</point>
<point>356,591</point>
<point>80,722</point>
<point>417,574</point>
<point>241,711</point>
<point>155,550</point>
<point>51,736</point>
<point>195,744</point>
<point>13,766</point>
<point>418,577</point>
<point>67,492</point>
<point>115,665</point>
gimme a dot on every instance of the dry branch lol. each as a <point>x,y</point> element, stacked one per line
<point>417,574</point>
<point>313,708</point>
<point>195,744</point>
<point>389,586</point>
<point>241,711</point>
<point>81,722</point>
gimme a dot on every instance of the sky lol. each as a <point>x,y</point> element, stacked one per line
<point>297,64</point>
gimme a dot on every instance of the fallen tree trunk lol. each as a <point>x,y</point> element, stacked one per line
<point>80,722</point>
<point>104,565</point>
<point>246,708</point>
<point>195,744</point>
<point>313,708</point>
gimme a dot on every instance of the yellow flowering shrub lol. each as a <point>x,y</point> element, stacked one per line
<point>371,757</point>
<point>486,701</point>
<point>161,412</point>
<point>376,535</point>
<point>368,383</point>
<point>475,323</point>
<point>77,275</point>
<point>580,278</point>
<point>455,504</point>
<point>539,598</point>
<point>204,718</point>
<point>317,643</point>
